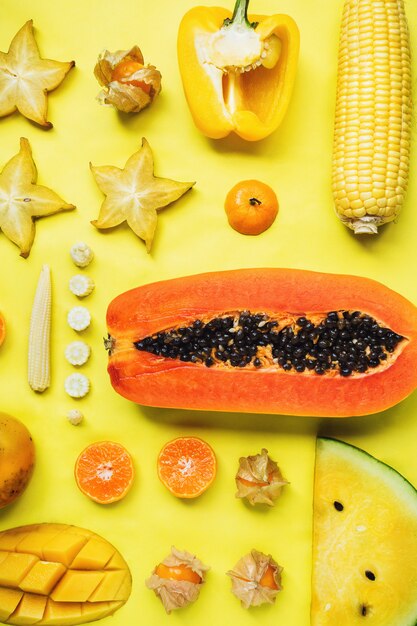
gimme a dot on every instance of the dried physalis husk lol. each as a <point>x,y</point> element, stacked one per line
<point>127,83</point>
<point>256,579</point>
<point>259,479</point>
<point>177,580</point>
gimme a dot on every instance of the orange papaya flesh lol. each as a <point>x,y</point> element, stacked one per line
<point>310,343</point>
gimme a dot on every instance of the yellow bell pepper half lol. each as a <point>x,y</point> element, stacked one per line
<point>237,75</point>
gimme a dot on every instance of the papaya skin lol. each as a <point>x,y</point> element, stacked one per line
<point>153,380</point>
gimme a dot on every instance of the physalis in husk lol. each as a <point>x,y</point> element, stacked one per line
<point>21,199</point>
<point>177,580</point>
<point>256,579</point>
<point>134,194</point>
<point>128,85</point>
<point>26,78</point>
<point>259,479</point>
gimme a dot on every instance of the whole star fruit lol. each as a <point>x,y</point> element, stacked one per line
<point>22,200</point>
<point>26,78</point>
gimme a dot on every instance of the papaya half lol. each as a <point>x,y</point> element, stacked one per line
<point>283,341</point>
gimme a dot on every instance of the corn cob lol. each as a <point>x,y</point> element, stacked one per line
<point>373,114</point>
<point>39,376</point>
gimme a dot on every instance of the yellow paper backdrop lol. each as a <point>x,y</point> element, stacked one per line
<point>192,236</point>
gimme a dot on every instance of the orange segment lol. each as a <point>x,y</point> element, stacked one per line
<point>104,472</point>
<point>179,572</point>
<point>251,207</point>
<point>2,328</point>
<point>187,466</point>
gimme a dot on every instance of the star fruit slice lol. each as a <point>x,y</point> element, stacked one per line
<point>26,78</point>
<point>134,194</point>
<point>22,200</point>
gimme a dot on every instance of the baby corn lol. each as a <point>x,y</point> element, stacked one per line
<point>373,114</point>
<point>39,376</point>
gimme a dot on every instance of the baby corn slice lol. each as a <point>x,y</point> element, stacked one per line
<point>373,114</point>
<point>39,375</point>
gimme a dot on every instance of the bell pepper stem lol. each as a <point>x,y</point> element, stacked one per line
<point>240,15</point>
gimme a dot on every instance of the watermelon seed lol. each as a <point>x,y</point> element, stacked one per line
<point>364,610</point>
<point>370,575</point>
<point>338,506</point>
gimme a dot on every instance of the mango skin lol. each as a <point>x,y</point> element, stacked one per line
<point>17,458</point>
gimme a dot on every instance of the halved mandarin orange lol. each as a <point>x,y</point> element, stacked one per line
<point>2,328</point>
<point>104,471</point>
<point>187,466</point>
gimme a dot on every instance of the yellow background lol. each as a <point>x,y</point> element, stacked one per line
<point>192,236</point>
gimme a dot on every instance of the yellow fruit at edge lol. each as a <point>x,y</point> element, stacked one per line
<point>2,329</point>
<point>17,458</point>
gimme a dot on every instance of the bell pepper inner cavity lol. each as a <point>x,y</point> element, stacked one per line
<point>238,47</point>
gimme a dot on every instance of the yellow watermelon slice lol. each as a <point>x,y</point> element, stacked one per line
<point>364,541</point>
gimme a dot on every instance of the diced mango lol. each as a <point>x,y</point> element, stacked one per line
<point>25,529</point>
<point>125,588</point>
<point>76,586</point>
<point>94,555</point>
<point>70,614</point>
<point>49,593</point>
<point>110,586</point>
<point>15,567</point>
<point>43,577</point>
<point>10,541</point>
<point>52,527</point>
<point>97,610</point>
<point>64,547</point>
<point>9,599</point>
<point>30,610</point>
<point>34,542</point>
<point>116,562</point>
<point>76,530</point>
<point>62,614</point>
